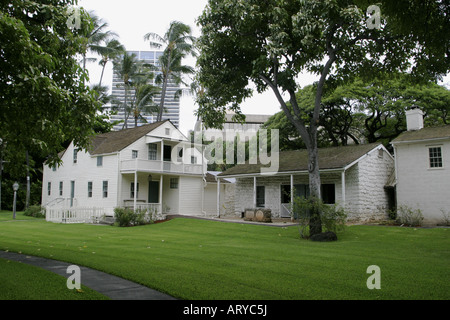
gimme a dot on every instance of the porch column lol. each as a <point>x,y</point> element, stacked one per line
<point>343,188</point>
<point>292,189</point>
<point>161,180</point>
<point>218,198</point>
<point>162,155</point>
<point>135,191</point>
<point>254,192</point>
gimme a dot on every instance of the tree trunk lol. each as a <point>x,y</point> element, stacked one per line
<point>101,76</point>
<point>315,221</point>
<point>163,97</point>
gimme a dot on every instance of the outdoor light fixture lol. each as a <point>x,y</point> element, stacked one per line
<point>15,188</point>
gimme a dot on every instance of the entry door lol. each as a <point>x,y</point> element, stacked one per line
<point>153,191</point>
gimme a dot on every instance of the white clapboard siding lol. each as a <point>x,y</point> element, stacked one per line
<point>190,201</point>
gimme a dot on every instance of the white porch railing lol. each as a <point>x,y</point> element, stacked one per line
<point>153,207</point>
<point>74,215</point>
<point>159,166</point>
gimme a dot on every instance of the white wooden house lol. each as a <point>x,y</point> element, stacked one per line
<point>422,162</point>
<point>151,166</point>
<point>354,177</point>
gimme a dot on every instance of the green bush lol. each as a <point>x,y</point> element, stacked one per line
<point>332,217</point>
<point>35,211</point>
<point>127,217</point>
<point>409,217</point>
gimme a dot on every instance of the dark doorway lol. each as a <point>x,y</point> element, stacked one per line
<point>153,192</point>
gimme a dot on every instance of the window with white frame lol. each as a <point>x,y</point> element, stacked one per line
<point>60,188</point>
<point>105,189</point>
<point>99,161</point>
<point>134,154</point>
<point>152,150</point>
<point>167,131</point>
<point>75,155</point>
<point>173,183</point>
<point>89,189</point>
<point>435,157</point>
<point>49,188</point>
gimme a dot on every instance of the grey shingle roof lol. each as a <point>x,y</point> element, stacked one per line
<point>115,141</point>
<point>329,158</point>
<point>424,134</point>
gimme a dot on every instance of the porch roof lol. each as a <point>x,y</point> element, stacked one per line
<point>297,161</point>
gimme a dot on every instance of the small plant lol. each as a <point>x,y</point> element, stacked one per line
<point>35,211</point>
<point>409,217</point>
<point>446,217</point>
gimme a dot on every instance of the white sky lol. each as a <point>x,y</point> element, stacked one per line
<point>132,19</point>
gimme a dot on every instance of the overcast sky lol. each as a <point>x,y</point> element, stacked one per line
<point>132,19</point>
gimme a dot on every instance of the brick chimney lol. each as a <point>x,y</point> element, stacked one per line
<point>414,119</point>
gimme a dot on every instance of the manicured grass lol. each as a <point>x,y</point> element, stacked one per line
<point>8,215</point>
<point>20,281</point>
<point>199,259</point>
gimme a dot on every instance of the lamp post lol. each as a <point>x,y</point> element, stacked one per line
<point>15,188</point>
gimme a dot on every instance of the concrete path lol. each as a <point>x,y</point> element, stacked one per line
<point>111,286</point>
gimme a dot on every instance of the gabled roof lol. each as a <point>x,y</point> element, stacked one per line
<point>424,134</point>
<point>297,161</point>
<point>115,141</point>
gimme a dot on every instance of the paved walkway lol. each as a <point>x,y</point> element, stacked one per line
<point>111,286</point>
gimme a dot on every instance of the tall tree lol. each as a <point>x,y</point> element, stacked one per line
<point>270,42</point>
<point>177,43</point>
<point>96,37</point>
<point>112,49</point>
<point>43,99</point>
<point>136,77</point>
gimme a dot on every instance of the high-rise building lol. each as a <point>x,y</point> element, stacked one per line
<point>171,104</point>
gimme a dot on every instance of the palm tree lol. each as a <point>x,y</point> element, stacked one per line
<point>178,44</point>
<point>139,92</point>
<point>96,36</point>
<point>125,68</point>
<point>109,52</point>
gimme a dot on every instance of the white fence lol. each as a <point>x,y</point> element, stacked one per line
<point>74,215</point>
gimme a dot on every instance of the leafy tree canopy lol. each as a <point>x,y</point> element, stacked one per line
<point>43,98</point>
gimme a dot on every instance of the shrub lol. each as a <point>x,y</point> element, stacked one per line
<point>127,217</point>
<point>332,217</point>
<point>409,217</point>
<point>35,211</point>
<point>446,217</point>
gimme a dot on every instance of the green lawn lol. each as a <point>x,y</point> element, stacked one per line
<point>20,281</point>
<point>199,259</point>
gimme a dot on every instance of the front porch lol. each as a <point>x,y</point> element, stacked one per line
<point>155,192</point>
